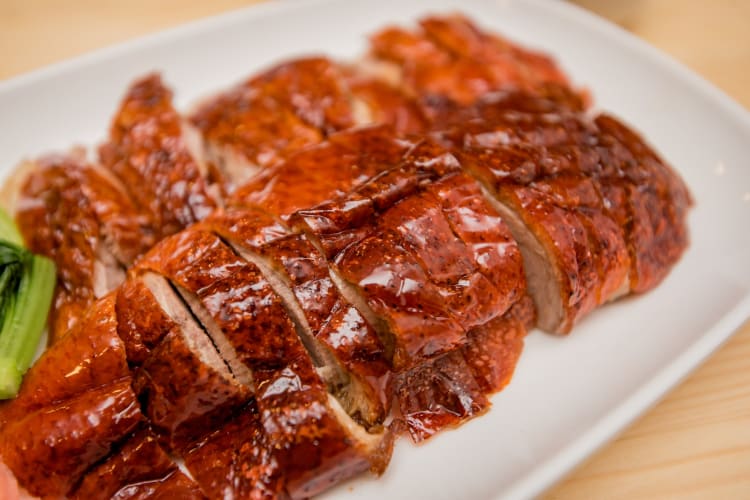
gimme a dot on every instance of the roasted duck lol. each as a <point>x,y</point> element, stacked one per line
<point>255,301</point>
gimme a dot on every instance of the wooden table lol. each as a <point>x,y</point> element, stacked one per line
<point>696,442</point>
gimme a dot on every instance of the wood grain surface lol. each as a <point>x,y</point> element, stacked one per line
<point>696,442</point>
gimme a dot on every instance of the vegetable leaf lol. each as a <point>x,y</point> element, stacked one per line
<point>27,282</point>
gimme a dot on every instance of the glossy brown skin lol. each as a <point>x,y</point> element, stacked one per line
<point>147,153</point>
<point>237,461</point>
<point>388,104</point>
<point>313,88</point>
<point>569,239</point>
<point>338,325</point>
<point>605,207</point>
<point>310,444</point>
<point>176,485</point>
<point>452,388</point>
<point>276,113</point>
<point>90,356</point>
<point>66,211</point>
<point>139,460</point>
<point>437,394</point>
<point>322,172</point>
<point>551,115</point>
<point>658,202</point>
<point>494,252</point>
<point>49,449</point>
<point>291,106</point>
<point>339,222</point>
<point>529,150</point>
<point>493,349</point>
<point>141,323</point>
<point>470,219</point>
<point>451,57</point>
<point>233,291</point>
<point>393,240</point>
<point>180,411</point>
<point>440,234</point>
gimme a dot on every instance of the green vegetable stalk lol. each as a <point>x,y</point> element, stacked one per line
<point>26,285</point>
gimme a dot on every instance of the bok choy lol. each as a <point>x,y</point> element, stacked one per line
<point>26,285</point>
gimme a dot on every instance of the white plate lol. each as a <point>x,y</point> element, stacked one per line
<point>570,395</point>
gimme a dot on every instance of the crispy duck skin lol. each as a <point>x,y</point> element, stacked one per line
<point>90,356</point>
<point>565,249</point>
<point>255,124</point>
<point>291,106</point>
<point>313,88</point>
<point>327,170</point>
<point>427,223</point>
<point>315,441</point>
<point>469,218</point>
<point>352,356</point>
<point>140,332</point>
<point>178,411</point>
<point>575,192</point>
<point>78,216</point>
<point>146,150</point>
<point>139,469</point>
<point>237,461</point>
<point>452,57</point>
<point>392,234</point>
<point>384,102</point>
<point>658,202</point>
<point>50,448</point>
<point>454,387</point>
<point>493,349</point>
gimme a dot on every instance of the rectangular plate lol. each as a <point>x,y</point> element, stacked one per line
<point>569,395</point>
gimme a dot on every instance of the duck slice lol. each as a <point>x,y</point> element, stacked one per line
<point>180,412</point>
<point>396,254</point>
<point>237,461</point>
<point>315,441</point>
<point>322,172</point>
<point>656,198</point>
<point>147,151</point>
<point>454,387</point>
<point>140,468</point>
<point>588,210</point>
<point>575,255</point>
<point>450,57</point>
<point>446,391</point>
<point>353,363</point>
<point>313,88</point>
<point>89,356</point>
<point>271,115</point>
<point>383,101</point>
<point>80,217</point>
<point>140,324</point>
<point>50,448</point>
